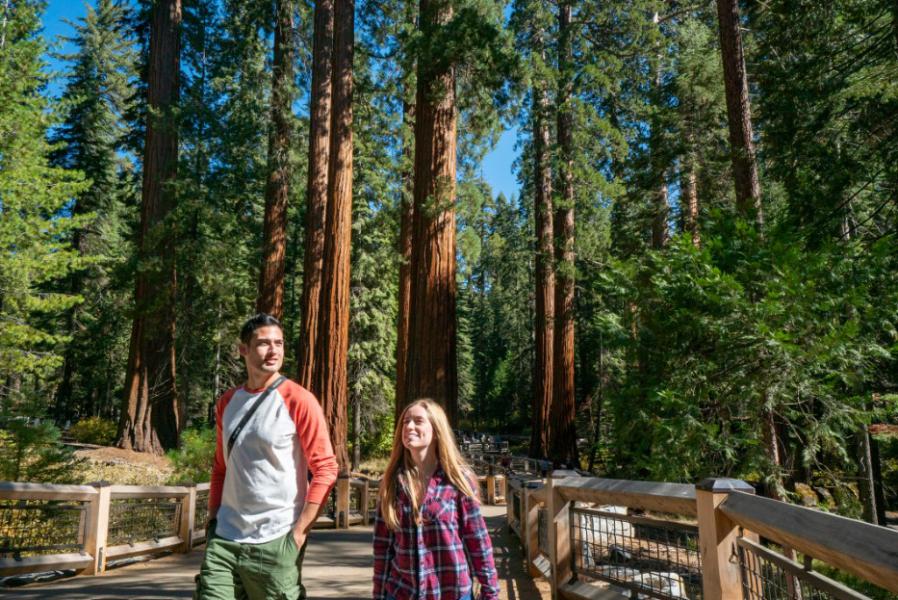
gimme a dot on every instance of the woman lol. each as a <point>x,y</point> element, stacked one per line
<point>429,527</point>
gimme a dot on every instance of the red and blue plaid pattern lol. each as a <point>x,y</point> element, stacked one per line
<point>429,560</point>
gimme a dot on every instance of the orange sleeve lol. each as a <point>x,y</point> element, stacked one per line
<point>219,467</point>
<point>315,441</point>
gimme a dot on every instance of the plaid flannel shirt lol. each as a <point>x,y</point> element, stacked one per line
<point>429,560</point>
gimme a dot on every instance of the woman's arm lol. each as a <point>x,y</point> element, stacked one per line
<point>478,547</point>
<point>383,554</point>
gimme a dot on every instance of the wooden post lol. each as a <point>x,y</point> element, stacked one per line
<point>491,485</point>
<point>97,528</point>
<point>188,515</point>
<point>530,529</point>
<point>559,532</point>
<point>342,517</point>
<point>721,579</point>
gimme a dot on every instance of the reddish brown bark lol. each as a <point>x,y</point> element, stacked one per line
<point>659,207</point>
<point>431,367</point>
<point>690,198</point>
<point>316,192</point>
<point>274,239</point>
<point>545,279</point>
<point>149,421</point>
<point>735,79</point>
<point>331,353</point>
<point>406,221</point>
<point>659,217</point>
<point>562,427</point>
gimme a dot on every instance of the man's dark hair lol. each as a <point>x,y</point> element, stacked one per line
<point>255,322</point>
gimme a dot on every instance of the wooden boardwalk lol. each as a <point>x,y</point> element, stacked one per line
<point>337,565</point>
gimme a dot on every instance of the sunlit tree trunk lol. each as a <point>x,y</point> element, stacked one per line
<point>316,192</point>
<point>689,183</point>
<point>331,354</point>
<point>562,429</point>
<point>274,239</point>
<point>545,276</point>
<point>406,222</point>
<point>149,419</point>
<point>742,147</point>
<point>431,357</point>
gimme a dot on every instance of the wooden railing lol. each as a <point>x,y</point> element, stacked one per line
<point>47,527</point>
<point>713,541</point>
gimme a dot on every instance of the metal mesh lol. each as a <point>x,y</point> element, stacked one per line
<point>542,530</point>
<point>34,527</point>
<point>355,499</point>
<point>649,556</point>
<point>201,513</point>
<point>330,507</point>
<point>767,575</point>
<point>135,520</point>
<point>372,500</point>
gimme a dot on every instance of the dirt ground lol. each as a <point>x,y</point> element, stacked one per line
<point>125,467</point>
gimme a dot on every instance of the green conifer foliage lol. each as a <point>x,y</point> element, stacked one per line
<point>36,219</point>
<point>98,94</point>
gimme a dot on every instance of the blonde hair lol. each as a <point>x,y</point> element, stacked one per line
<point>401,469</point>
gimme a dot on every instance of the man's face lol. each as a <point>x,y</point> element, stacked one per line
<point>264,354</point>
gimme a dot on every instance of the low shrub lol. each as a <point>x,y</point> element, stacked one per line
<point>94,430</point>
<point>192,462</point>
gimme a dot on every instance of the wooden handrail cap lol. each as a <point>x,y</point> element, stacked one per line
<point>724,485</point>
<point>562,473</point>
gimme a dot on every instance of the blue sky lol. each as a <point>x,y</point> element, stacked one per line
<point>496,167</point>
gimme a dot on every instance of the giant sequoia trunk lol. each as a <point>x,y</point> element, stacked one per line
<point>545,277</point>
<point>274,240</point>
<point>742,147</point>
<point>562,430</point>
<point>331,354</point>
<point>316,192</point>
<point>149,421</point>
<point>431,356</point>
<point>406,222</point>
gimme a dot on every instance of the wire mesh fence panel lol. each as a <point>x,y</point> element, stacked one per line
<point>515,505</point>
<point>542,530</point>
<point>768,575</point>
<point>37,527</point>
<point>651,557</point>
<point>330,506</point>
<point>355,499</point>
<point>133,520</point>
<point>372,500</point>
<point>201,512</point>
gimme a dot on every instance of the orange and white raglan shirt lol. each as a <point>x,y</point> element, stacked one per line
<point>261,488</point>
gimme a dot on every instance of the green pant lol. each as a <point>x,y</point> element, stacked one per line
<point>235,571</point>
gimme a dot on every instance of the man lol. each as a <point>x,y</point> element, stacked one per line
<point>261,504</point>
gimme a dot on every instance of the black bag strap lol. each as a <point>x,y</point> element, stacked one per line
<point>252,409</point>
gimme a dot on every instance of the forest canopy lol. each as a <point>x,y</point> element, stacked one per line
<point>695,277</point>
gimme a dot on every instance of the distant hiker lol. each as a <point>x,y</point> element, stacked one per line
<point>270,433</point>
<point>428,527</point>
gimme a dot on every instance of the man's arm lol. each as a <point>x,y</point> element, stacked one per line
<point>219,466</point>
<point>311,428</point>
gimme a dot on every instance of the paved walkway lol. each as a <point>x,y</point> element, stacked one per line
<point>337,565</point>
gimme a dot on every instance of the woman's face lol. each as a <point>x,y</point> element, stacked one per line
<point>417,431</point>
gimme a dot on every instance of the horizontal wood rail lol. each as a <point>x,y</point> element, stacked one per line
<point>91,535</point>
<point>730,520</point>
<point>867,551</point>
